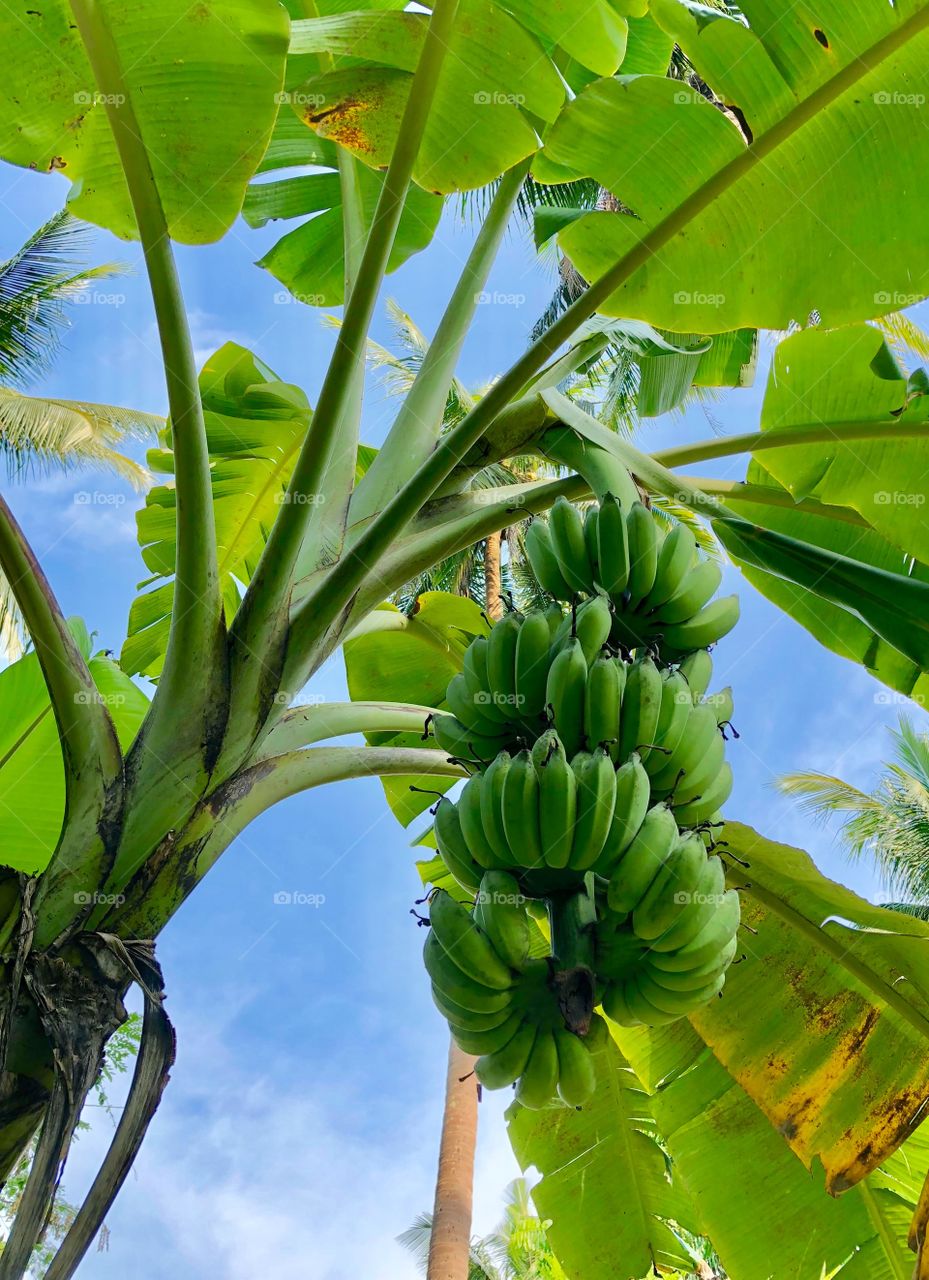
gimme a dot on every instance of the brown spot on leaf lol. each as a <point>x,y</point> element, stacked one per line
<point>821,37</point>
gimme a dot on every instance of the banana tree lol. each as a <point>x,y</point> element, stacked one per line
<point>267,549</point>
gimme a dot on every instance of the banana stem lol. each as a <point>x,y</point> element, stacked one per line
<point>571,918</point>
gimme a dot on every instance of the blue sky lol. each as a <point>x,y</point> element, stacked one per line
<point>299,1132</point>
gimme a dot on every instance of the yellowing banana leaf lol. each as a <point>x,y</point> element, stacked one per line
<point>32,789</point>
<point>825,1022</point>
<point>310,260</point>
<point>392,656</point>
<point>747,211</point>
<point>607,1186</point>
<point>255,425</point>
<point>851,375</point>
<point>765,1214</point>
<point>203,95</point>
<point>495,81</point>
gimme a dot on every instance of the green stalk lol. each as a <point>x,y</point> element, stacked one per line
<point>162,885</point>
<point>197,628</point>
<point>303,726</point>
<point>90,749</point>
<point>260,626</point>
<point>788,438</point>
<point>767,496</point>
<point>419,421</point>
<point>314,616</point>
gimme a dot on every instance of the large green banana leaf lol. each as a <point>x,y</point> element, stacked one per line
<point>310,260</point>
<point>203,94</point>
<point>32,785</point>
<point>496,83</point>
<point>394,656</point>
<point>748,211</point>
<point>851,375</point>
<point>765,1214</point>
<point>255,426</point>
<point>607,1186</point>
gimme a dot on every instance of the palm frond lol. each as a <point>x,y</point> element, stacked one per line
<point>36,284</point>
<point>416,1240</point>
<point>670,513</point>
<point>39,433</point>
<point>904,334</point>
<point>917,910</point>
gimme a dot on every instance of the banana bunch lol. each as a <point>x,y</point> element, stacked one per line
<point>499,1002</point>
<point>669,932</point>
<point>545,819</point>
<point>661,587</point>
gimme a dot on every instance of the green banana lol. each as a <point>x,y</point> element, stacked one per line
<point>541,555</point>
<point>596,800</point>
<point>671,892</point>
<point>711,939</point>
<point>722,703</point>
<point>531,664</point>
<point>591,623</point>
<point>492,808</point>
<point>632,799</point>
<point>703,774</point>
<point>642,1008</point>
<point>673,714</point>
<point>704,628</point>
<point>643,860</point>
<point>486,1041</point>
<point>640,709</point>
<point>698,587</point>
<point>505,1066</point>
<point>613,548</point>
<point>576,1078</point>
<point>453,847</point>
<point>503,917</point>
<point>472,823</point>
<point>538,1083</point>
<point>567,531</point>
<point>564,694</point>
<point>466,944</point>
<point>591,541</point>
<point>643,553</point>
<point>616,1007</point>
<point>554,616</point>
<point>677,1003</point>
<point>463,1017</point>
<point>674,560</point>
<point>470,710</point>
<point>709,802</point>
<point>557,806</point>
<point>521,811</point>
<point>501,661</point>
<point>697,670</point>
<point>705,901</point>
<point>603,698</point>
<point>693,979</point>
<point>456,985</point>
<point>700,733</point>
<point>464,743</point>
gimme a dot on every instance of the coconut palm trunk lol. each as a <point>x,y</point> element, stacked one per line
<point>450,1242</point>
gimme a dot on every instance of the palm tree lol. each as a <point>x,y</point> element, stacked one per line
<point>38,433</point>
<point>889,823</point>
